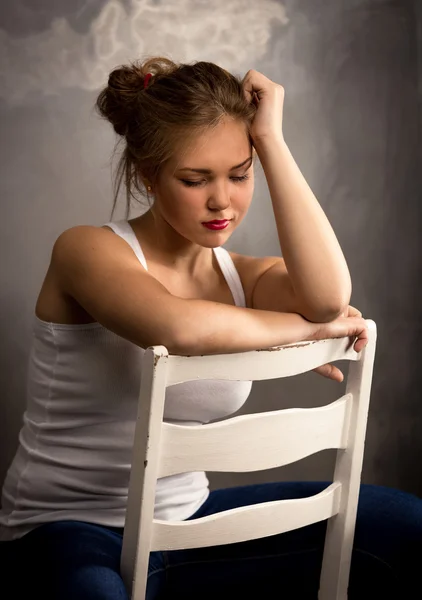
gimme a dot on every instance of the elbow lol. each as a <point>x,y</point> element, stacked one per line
<point>324,314</point>
<point>180,343</point>
<point>327,311</point>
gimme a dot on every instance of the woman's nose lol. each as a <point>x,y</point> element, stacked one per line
<point>219,198</point>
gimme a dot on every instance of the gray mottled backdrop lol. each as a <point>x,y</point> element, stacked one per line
<point>352,120</point>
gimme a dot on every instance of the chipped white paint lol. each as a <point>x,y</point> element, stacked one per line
<point>278,438</point>
<point>231,33</point>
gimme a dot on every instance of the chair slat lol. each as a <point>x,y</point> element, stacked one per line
<point>279,438</point>
<point>256,365</point>
<point>247,522</point>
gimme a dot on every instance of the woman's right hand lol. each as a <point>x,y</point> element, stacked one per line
<point>353,327</point>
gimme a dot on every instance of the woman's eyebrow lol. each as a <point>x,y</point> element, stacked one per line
<point>209,171</point>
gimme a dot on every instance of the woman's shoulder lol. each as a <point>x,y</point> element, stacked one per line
<point>84,263</point>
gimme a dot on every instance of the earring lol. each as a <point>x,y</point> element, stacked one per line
<point>149,188</point>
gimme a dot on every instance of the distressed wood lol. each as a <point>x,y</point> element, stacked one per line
<point>256,365</point>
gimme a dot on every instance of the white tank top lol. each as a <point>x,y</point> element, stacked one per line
<point>73,458</point>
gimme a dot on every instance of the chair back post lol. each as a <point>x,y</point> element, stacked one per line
<point>143,475</point>
<point>341,528</point>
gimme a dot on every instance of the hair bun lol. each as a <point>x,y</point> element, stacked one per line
<point>118,101</point>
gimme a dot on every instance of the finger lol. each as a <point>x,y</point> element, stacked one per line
<point>361,338</point>
<point>353,312</point>
<point>256,82</point>
<point>330,371</point>
<point>360,344</point>
<point>248,86</point>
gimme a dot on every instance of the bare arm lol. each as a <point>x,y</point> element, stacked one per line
<point>313,256</point>
<point>317,268</point>
<point>101,272</point>
<point>214,328</point>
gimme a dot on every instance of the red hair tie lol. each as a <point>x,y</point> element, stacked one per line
<point>147,78</point>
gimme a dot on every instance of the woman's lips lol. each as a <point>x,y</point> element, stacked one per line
<point>216,225</point>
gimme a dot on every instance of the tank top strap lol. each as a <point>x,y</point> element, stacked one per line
<point>124,229</point>
<point>230,273</point>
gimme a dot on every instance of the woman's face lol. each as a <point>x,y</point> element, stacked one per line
<point>185,198</point>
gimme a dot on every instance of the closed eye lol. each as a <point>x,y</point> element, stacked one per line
<point>197,183</point>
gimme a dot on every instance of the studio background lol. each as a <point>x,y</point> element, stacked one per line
<point>352,75</point>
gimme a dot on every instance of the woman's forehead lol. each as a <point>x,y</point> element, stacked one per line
<point>208,151</point>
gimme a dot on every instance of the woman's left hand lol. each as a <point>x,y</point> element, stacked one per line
<point>331,371</point>
<point>268,97</point>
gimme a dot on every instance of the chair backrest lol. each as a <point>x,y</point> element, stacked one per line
<point>280,437</point>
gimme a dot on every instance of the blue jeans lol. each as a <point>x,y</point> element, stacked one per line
<point>73,560</point>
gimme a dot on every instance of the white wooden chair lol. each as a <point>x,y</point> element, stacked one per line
<point>280,437</point>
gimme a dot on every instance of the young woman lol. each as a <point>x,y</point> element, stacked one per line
<point>191,133</point>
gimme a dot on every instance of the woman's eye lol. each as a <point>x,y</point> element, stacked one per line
<point>191,183</point>
<point>196,183</point>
